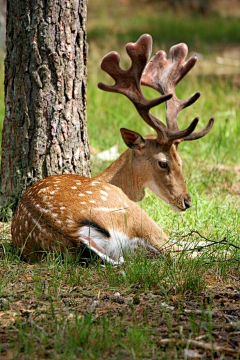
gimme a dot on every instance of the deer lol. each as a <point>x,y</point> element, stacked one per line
<point>69,213</point>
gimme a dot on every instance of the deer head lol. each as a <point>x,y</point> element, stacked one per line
<point>155,159</point>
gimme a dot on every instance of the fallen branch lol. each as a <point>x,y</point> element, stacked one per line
<point>225,326</point>
<point>201,345</point>
<point>199,312</point>
<point>212,347</point>
<point>233,277</point>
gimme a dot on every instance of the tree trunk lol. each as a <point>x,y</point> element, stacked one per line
<point>45,125</point>
<point>2,23</point>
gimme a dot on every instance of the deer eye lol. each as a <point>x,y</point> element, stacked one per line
<point>163,164</point>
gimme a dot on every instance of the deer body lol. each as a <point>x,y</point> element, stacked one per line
<point>69,212</point>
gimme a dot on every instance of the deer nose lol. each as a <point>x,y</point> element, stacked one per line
<point>187,203</point>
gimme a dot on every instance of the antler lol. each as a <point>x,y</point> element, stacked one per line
<point>128,82</point>
<point>160,76</point>
<point>164,74</point>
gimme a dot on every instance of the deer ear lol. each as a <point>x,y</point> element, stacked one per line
<point>132,139</point>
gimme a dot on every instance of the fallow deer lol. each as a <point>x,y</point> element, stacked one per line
<point>69,212</point>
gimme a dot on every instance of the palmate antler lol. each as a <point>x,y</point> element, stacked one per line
<point>160,74</point>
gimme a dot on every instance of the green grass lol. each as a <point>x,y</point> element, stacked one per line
<point>164,29</point>
<point>117,24</point>
<point>107,112</point>
<point>2,110</point>
<point>60,309</point>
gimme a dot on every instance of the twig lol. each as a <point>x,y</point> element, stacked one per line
<point>229,309</point>
<point>233,277</point>
<point>213,242</point>
<point>213,347</point>
<point>223,260</point>
<point>198,311</point>
<point>201,345</point>
<point>215,325</point>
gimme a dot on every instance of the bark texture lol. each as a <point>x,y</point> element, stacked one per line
<point>2,22</point>
<point>45,126</point>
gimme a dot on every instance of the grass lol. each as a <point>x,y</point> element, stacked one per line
<point>129,21</point>
<point>150,307</point>
<point>2,110</point>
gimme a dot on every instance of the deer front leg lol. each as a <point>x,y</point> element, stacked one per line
<point>153,234</point>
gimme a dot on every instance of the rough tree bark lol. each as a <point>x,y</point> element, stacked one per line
<point>2,22</point>
<point>45,126</point>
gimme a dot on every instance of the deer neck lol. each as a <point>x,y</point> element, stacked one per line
<point>123,173</point>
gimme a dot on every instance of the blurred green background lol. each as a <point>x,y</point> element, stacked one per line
<point>212,31</point>
<point>211,168</point>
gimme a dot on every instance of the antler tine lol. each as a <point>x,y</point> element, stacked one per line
<point>128,82</point>
<point>198,134</point>
<point>164,74</point>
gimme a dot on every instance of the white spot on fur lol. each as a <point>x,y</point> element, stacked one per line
<point>81,194</point>
<point>107,187</point>
<point>42,190</point>
<point>104,198</point>
<point>103,192</point>
<point>107,209</point>
<point>74,187</point>
<point>36,224</point>
<point>52,192</point>
<point>89,192</point>
<point>83,203</point>
<point>45,210</point>
<point>95,182</point>
<point>69,221</point>
<point>92,201</point>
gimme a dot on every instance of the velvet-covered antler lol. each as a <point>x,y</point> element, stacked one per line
<point>164,74</point>
<point>160,74</point>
